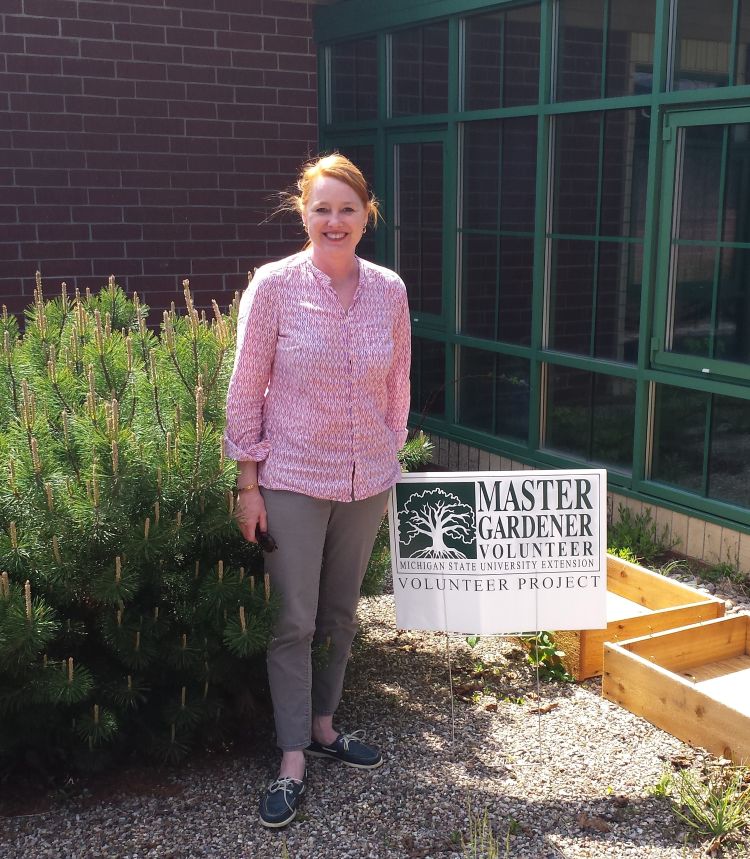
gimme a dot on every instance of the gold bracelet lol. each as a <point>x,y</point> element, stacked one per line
<point>247,488</point>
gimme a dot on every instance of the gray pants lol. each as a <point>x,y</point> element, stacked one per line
<point>323,549</point>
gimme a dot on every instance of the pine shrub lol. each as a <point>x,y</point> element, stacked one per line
<point>130,605</point>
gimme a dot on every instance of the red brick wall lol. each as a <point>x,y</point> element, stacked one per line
<point>146,139</point>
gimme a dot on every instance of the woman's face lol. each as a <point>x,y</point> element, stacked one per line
<point>335,217</point>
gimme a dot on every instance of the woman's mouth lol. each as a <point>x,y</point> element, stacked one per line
<point>335,237</point>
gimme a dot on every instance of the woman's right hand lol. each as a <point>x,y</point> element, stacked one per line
<point>250,511</point>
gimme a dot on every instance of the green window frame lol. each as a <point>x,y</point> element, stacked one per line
<point>642,373</point>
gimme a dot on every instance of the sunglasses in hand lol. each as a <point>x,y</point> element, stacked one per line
<point>265,540</point>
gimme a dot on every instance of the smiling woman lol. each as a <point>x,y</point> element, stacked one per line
<point>316,413</point>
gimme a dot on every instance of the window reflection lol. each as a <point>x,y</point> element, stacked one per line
<point>419,70</point>
<point>493,393</point>
<point>428,378</point>
<point>354,80</point>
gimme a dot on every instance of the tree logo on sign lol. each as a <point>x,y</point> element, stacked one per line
<point>443,519</point>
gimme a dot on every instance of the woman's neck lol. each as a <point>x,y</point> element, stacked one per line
<point>336,269</point>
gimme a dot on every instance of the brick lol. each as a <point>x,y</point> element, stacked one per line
<point>15,158</point>
<point>218,199</point>
<point>155,15</point>
<point>88,214</point>
<point>53,83</point>
<point>193,109</point>
<point>294,27</point>
<point>107,50</point>
<point>302,97</point>
<point>207,127</point>
<point>93,178</point>
<point>166,232</point>
<point>150,250</point>
<point>208,57</point>
<point>203,145</point>
<point>116,232</point>
<point>239,41</point>
<point>92,104</point>
<point>159,125</point>
<point>35,65</point>
<point>112,87</point>
<point>109,124</point>
<point>14,121</point>
<point>95,10</point>
<point>225,232</point>
<point>142,71</point>
<point>286,44</point>
<point>38,140</point>
<point>167,54</point>
<point>145,179</point>
<point>44,214</point>
<point>57,159</point>
<point>149,215</point>
<point>117,265</point>
<point>260,94</point>
<point>189,73</point>
<point>299,63</point>
<point>166,163</point>
<point>160,89</point>
<point>142,107</point>
<point>283,9</point>
<point>197,249</point>
<point>252,24</point>
<point>13,83</point>
<point>85,67</point>
<point>12,44</point>
<point>262,130</point>
<point>46,250</point>
<point>189,37</point>
<point>209,92</point>
<point>97,250</point>
<point>18,196</point>
<point>88,29</point>
<point>205,20</point>
<point>254,60</point>
<point>40,177</point>
<point>216,265</point>
<point>194,180</point>
<point>140,33</point>
<point>144,143</point>
<point>112,197</point>
<point>199,215</point>
<point>49,46</point>
<point>55,122</point>
<point>217,163</point>
<point>17,233</point>
<point>294,80</point>
<point>50,8</point>
<point>37,102</point>
<point>27,24</point>
<point>162,196</point>
<point>284,113</point>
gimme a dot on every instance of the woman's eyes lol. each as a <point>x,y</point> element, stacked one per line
<point>322,210</point>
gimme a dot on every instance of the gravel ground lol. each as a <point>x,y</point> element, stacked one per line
<point>562,774</point>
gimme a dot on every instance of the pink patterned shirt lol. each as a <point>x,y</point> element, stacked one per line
<point>319,396</point>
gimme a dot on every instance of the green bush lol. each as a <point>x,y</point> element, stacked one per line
<point>129,602</point>
<point>636,537</point>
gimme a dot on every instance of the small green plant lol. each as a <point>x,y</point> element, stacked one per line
<point>724,570</point>
<point>625,554</point>
<point>544,656</point>
<point>472,641</point>
<point>482,842</point>
<point>663,786</point>
<point>639,534</point>
<point>718,808</point>
<point>676,565</point>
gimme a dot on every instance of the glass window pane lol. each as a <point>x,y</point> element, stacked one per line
<point>579,63</point>
<point>679,431</point>
<point>420,70</point>
<point>630,47</point>
<point>502,58</point>
<point>499,187</point>
<point>729,463</point>
<point>577,144</point>
<point>354,80</point>
<point>736,215</point>
<point>571,296</point>
<point>496,287</point>
<point>591,417</point>
<point>693,295</point>
<point>428,378</point>
<point>703,44</point>
<point>419,223</point>
<point>601,168</point>
<point>743,44</point>
<point>699,182</point>
<point>494,393</point>
<point>618,301</point>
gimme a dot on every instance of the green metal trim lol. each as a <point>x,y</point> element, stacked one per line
<point>359,17</point>
<point>705,383</point>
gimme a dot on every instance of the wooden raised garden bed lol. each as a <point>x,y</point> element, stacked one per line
<point>692,682</point>
<point>639,602</point>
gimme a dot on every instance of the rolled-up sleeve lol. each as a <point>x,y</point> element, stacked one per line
<point>398,376</point>
<point>257,329</point>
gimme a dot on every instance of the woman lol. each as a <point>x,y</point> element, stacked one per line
<point>316,412</point>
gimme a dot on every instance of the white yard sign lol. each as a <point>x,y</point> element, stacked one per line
<point>500,552</point>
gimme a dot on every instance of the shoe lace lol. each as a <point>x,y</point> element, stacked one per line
<point>353,737</point>
<point>286,785</point>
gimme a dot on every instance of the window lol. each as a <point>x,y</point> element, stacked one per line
<point>497,229</point>
<point>707,54</point>
<point>598,217</point>
<point>354,80</point>
<point>427,378</point>
<point>501,66</point>
<point>419,70</point>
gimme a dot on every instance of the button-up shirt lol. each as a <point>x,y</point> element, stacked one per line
<point>319,395</point>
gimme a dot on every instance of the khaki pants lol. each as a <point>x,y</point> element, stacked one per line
<point>318,567</point>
